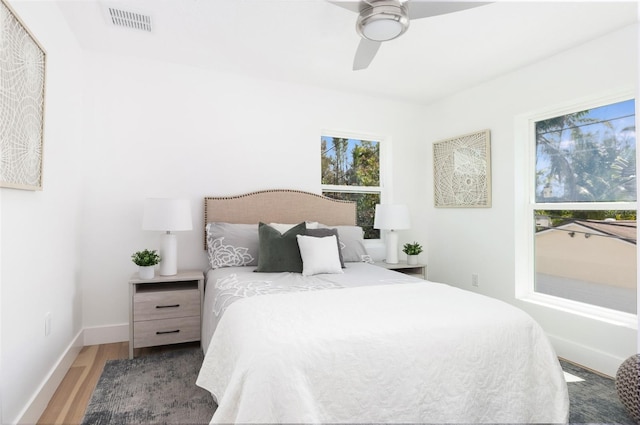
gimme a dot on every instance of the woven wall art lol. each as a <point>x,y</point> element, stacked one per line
<point>462,171</point>
<point>22,75</point>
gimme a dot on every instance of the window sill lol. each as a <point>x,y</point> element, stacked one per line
<point>606,315</point>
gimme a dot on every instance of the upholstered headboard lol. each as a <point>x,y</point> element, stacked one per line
<point>279,206</point>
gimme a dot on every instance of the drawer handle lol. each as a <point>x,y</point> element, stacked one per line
<point>168,306</point>
<point>168,332</point>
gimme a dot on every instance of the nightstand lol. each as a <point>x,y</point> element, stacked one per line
<point>415,270</point>
<point>165,309</point>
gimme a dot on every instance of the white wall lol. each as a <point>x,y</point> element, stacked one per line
<point>39,251</point>
<point>158,129</point>
<point>465,241</point>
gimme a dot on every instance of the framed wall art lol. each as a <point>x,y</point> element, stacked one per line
<point>22,77</point>
<point>462,171</point>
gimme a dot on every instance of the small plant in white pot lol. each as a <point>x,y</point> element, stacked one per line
<point>146,261</point>
<point>412,250</point>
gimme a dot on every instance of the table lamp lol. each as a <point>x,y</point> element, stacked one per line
<point>167,215</point>
<point>391,217</point>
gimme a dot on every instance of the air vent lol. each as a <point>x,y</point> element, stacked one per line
<point>128,19</point>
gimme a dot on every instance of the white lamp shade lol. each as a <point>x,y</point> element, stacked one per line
<point>165,214</point>
<point>391,217</point>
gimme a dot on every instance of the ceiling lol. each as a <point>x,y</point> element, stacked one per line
<point>313,41</point>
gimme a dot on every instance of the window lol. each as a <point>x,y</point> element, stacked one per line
<point>351,171</point>
<point>583,207</point>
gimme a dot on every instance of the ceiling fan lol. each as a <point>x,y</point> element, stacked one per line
<point>384,20</point>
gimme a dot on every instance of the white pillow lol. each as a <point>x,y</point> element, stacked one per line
<point>285,227</point>
<point>319,255</point>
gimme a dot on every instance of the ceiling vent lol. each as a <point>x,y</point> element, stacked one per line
<point>128,19</point>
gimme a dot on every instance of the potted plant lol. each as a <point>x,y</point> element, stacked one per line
<point>412,250</point>
<point>146,260</point>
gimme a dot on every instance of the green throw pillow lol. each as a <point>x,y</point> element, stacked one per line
<point>279,252</point>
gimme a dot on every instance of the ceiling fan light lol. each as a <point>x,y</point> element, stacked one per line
<point>382,29</point>
<point>383,21</point>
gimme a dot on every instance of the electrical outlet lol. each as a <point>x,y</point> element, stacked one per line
<point>474,279</point>
<point>47,324</point>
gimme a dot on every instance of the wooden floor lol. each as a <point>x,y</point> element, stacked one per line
<point>69,402</point>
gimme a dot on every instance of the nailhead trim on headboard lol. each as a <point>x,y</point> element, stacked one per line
<point>279,206</point>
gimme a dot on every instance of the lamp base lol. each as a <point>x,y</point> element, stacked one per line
<point>392,248</point>
<point>169,255</point>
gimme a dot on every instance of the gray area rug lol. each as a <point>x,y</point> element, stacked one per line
<point>154,389</point>
<point>160,389</point>
<point>595,400</point>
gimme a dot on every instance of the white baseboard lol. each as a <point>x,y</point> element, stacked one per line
<point>87,336</point>
<point>41,399</point>
<point>106,334</point>
<point>586,356</point>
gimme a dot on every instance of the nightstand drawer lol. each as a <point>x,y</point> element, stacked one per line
<point>166,304</point>
<point>168,331</point>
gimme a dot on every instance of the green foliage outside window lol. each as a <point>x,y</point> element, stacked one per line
<point>348,162</point>
<point>558,217</point>
<point>587,156</point>
<point>365,209</point>
<point>353,163</point>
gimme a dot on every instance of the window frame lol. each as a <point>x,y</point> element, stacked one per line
<point>383,162</point>
<point>525,205</point>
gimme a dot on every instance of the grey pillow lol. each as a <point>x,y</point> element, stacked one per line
<point>230,244</point>
<point>324,232</point>
<point>279,252</point>
<point>352,243</point>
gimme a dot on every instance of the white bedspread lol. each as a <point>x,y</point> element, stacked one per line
<point>230,284</point>
<point>413,352</point>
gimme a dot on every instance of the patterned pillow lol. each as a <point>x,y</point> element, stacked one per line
<point>230,244</point>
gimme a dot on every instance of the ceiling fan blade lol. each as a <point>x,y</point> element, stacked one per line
<point>352,5</point>
<point>367,50</point>
<point>423,9</point>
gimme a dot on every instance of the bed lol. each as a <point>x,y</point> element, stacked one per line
<point>345,341</point>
